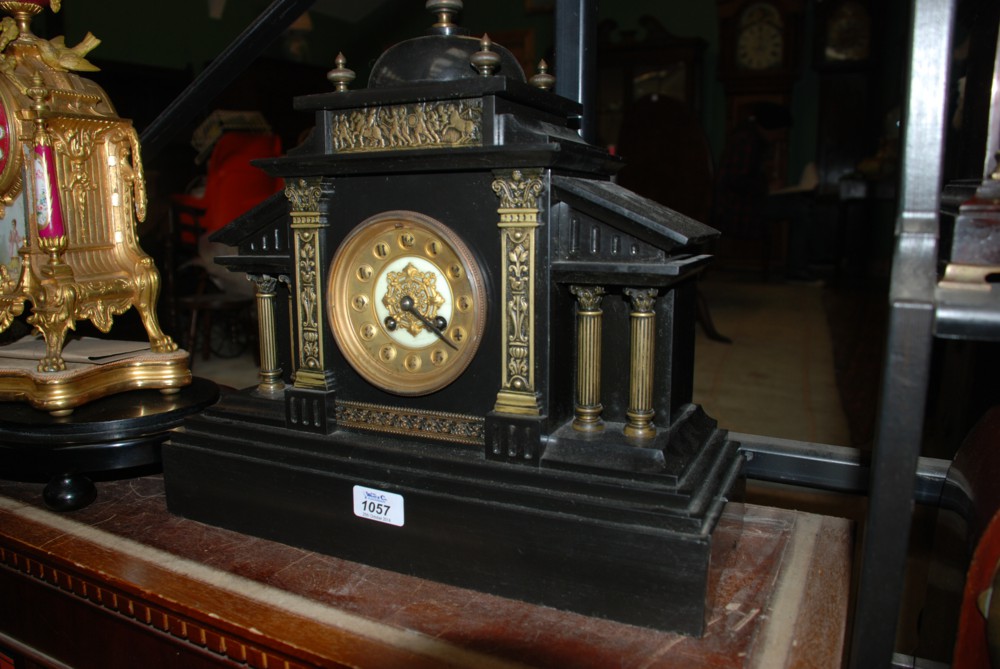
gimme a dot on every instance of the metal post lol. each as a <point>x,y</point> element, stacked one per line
<point>576,58</point>
<point>993,124</point>
<point>909,340</point>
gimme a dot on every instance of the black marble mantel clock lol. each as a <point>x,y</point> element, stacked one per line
<point>476,352</point>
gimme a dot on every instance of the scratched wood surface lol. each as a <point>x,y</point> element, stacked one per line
<point>779,597</point>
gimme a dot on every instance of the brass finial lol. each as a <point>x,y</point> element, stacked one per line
<point>38,93</point>
<point>23,12</point>
<point>542,79</point>
<point>445,10</point>
<point>484,60</point>
<point>340,76</point>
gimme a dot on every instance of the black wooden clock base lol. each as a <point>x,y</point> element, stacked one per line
<point>631,546</point>
<point>111,436</point>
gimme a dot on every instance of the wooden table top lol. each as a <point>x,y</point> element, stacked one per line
<point>779,598</point>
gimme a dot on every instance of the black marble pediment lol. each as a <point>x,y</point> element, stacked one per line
<point>260,236</point>
<point>599,221</point>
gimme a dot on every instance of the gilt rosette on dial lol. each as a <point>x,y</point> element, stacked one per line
<point>407,303</point>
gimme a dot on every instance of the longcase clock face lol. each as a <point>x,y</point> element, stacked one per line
<point>760,41</point>
<point>407,303</point>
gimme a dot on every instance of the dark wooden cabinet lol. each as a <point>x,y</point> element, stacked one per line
<point>124,584</point>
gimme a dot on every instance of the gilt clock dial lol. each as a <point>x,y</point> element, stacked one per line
<point>407,303</point>
<point>760,42</point>
<point>9,163</point>
<point>13,215</point>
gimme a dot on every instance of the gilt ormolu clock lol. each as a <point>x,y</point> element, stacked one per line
<point>477,351</point>
<point>72,192</point>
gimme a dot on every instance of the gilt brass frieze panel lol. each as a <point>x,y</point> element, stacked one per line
<point>419,125</point>
<point>452,427</point>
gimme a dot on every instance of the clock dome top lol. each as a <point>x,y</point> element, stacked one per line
<point>445,53</point>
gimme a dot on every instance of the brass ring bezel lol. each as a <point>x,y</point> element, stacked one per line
<point>344,282</point>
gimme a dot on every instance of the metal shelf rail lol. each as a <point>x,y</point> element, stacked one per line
<point>919,311</point>
<point>906,368</point>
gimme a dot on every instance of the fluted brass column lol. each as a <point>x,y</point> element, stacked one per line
<point>588,405</point>
<point>639,424</point>
<point>270,372</point>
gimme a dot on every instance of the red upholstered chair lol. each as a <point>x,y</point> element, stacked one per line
<point>975,469</point>
<point>233,186</point>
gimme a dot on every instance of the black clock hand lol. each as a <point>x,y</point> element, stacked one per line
<point>407,304</point>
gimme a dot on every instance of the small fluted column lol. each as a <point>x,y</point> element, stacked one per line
<point>588,405</point>
<point>639,415</point>
<point>270,372</point>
